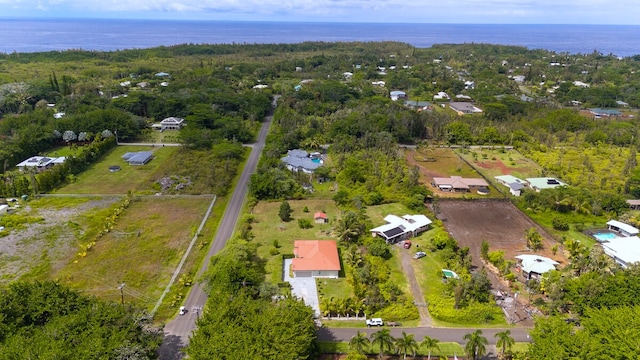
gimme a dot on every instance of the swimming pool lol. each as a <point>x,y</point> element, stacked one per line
<point>605,236</point>
<point>317,161</point>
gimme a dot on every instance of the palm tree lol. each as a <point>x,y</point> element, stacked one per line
<point>476,345</point>
<point>504,342</point>
<point>359,342</point>
<point>406,343</point>
<point>382,339</point>
<point>431,344</point>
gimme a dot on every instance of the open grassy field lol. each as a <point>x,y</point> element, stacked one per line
<point>269,228</point>
<point>142,250</point>
<point>97,179</point>
<point>495,162</point>
<point>42,234</point>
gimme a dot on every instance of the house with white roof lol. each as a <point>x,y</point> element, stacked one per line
<point>170,123</point>
<point>399,228</point>
<point>623,250</point>
<point>533,266</point>
<point>441,96</point>
<point>40,163</point>
<point>514,184</point>
<point>622,228</point>
<point>397,94</point>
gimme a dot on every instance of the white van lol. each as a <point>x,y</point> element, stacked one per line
<point>374,322</point>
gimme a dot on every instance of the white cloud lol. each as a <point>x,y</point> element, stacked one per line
<point>456,11</point>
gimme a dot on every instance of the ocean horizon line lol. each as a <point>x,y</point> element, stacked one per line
<point>37,18</point>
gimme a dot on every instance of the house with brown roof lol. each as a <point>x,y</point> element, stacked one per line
<point>460,184</point>
<point>315,258</point>
<point>320,218</point>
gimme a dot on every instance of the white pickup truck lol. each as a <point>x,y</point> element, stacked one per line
<point>374,322</point>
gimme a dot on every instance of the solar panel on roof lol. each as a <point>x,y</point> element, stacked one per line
<point>393,232</point>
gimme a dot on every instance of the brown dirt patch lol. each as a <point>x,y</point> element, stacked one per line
<point>499,222</point>
<point>498,164</point>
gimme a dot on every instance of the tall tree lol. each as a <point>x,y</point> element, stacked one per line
<point>285,211</point>
<point>475,347</point>
<point>431,344</point>
<point>406,344</point>
<point>504,342</point>
<point>383,340</point>
<point>359,342</point>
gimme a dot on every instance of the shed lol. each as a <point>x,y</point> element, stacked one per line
<point>320,218</point>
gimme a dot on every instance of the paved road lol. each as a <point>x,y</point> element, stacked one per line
<point>177,331</point>
<point>442,334</point>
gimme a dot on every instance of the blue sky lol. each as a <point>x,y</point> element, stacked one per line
<point>623,12</point>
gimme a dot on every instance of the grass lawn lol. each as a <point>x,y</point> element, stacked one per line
<point>268,227</point>
<point>63,151</point>
<point>97,179</point>
<point>445,348</point>
<point>333,288</point>
<point>377,213</point>
<point>141,251</point>
<point>428,271</point>
<point>545,219</point>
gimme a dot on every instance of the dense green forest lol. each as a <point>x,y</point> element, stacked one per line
<point>45,320</point>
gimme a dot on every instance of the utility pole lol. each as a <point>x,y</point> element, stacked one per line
<point>121,288</point>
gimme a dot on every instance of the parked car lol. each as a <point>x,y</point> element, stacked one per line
<point>393,323</point>
<point>419,254</point>
<point>374,322</point>
<point>183,310</point>
<point>407,244</point>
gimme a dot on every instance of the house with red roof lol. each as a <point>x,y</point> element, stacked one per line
<point>315,258</point>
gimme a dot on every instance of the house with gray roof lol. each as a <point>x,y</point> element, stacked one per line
<point>138,157</point>
<point>514,184</point>
<point>300,160</point>
<point>464,108</point>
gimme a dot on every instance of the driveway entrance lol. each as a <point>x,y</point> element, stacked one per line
<point>303,288</point>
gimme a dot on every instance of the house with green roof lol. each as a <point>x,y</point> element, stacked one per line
<point>542,183</point>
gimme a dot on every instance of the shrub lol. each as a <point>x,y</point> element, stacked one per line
<point>484,249</point>
<point>274,251</point>
<point>560,224</point>
<point>496,258</point>
<point>305,224</point>
<point>379,247</point>
<point>579,227</point>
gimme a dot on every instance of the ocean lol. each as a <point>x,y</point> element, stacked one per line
<point>34,35</point>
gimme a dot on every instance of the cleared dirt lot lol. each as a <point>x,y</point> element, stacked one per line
<point>503,226</point>
<point>498,222</point>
